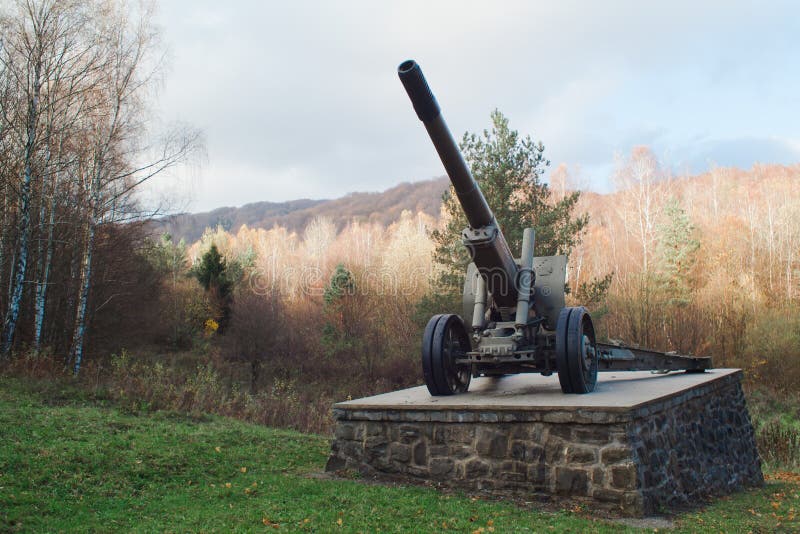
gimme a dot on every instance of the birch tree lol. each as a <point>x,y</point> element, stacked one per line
<point>37,49</point>
<point>642,183</point>
<point>75,78</point>
<point>117,157</point>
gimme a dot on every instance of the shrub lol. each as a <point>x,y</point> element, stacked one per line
<point>779,445</point>
<point>772,350</point>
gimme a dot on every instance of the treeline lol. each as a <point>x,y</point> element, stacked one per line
<point>76,78</point>
<point>703,264</point>
<point>339,309</point>
<point>294,215</point>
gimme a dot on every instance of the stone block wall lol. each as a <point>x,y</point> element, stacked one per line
<point>672,452</point>
<point>695,446</point>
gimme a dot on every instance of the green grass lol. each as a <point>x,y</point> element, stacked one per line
<point>72,463</point>
<point>764,406</point>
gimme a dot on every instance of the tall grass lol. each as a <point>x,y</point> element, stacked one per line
<point>187,386</point>
<point>779,445</point>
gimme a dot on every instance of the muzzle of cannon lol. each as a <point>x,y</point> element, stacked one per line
<point>483,237</point>
<point>515,320</point>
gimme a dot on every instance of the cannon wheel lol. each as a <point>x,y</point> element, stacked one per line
<point>576,353</point>
<point>445,339</point>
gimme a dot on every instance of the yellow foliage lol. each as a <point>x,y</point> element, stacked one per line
<point>210,326</point>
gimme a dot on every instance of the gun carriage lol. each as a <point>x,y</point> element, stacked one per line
<point>515,319</point>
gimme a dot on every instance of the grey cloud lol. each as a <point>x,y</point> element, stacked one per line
<point>740,152</point>
<point>311,85</point>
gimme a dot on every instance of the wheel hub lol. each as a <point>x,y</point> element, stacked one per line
<point>587,352</point>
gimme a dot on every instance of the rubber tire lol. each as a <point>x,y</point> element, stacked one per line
<point>427,355</point>
<point>436,366</point>
<point>445,324</point>
<point>580,323</point>
<point>572,324</point>
<point>562,363</point>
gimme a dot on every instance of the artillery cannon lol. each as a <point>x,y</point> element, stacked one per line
<point>515,319</point>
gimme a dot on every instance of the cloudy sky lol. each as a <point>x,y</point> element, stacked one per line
<point>301,99</point>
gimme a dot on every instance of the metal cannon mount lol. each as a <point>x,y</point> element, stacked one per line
<point>515,319</point>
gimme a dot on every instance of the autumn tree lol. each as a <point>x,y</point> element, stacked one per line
<point>45,62</point>
<point>642,184</point>
<point>76,81</point>
<point>118,155</point>
<point>170,261</point>
<point>352,331</point>
<point>257,334</point>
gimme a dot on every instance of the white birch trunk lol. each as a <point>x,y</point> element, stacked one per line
<point>79,333</point>
<point>3,235</point>
<point>41,286</point>
<point>15,300</point>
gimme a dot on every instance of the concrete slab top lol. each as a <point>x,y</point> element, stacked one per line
<point>615,391</point>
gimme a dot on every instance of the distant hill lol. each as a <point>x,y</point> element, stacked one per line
<point>384,207</point>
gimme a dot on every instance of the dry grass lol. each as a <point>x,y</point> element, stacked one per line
<point>779,445</point>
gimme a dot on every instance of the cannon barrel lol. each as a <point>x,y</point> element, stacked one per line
<point>469,195</point>
<point>485,241</point>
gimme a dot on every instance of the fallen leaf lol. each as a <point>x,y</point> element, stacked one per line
<point>243,469</point>
<point>784,476</point>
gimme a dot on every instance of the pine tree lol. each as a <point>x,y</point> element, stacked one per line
<point>212,273</point>
<point>508,168</point>
<point>677,248</point>
<point>341,284</point>
<point>337,332</point>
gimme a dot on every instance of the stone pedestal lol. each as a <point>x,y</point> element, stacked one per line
<point>638,444</point>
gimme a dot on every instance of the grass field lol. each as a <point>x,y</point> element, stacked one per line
<point>74,463</point>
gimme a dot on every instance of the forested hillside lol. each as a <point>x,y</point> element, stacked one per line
<point>384,208</point>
